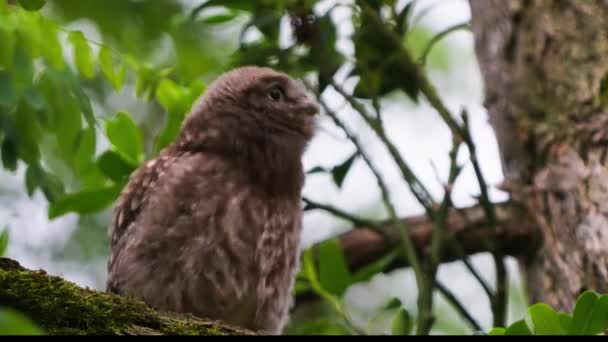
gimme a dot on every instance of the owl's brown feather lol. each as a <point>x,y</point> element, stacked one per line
<point>212,225</point>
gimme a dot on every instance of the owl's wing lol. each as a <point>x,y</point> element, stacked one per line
<point>128,208</point>
<point>174,201</point>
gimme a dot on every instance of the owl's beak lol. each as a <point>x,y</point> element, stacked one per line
<point>310,107</point>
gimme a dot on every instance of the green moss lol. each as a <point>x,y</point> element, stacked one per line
<point>181,328</point>
<point>62,308</point>
<point>55,303</point>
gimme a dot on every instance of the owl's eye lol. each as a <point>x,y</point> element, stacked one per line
<point>275,94</point>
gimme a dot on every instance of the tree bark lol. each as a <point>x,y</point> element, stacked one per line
<point>62,308</point>
<point>545,73</point>
<point>468,229</point>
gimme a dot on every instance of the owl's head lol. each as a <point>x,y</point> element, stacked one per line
<point>252,104</point>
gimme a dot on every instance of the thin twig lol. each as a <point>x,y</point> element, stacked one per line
<point>451,298</point>
<point>499,301</point>
<point>439,37</point>
<point>418,189</point>
<point>359,223</point>
<point>408,245</point>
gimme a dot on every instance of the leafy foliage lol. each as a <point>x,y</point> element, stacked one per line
<point>15,323</point>
<point>589,317</point>
<point>56,85</point>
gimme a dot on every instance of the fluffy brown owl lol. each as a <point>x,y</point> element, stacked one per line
<point>212,225</point>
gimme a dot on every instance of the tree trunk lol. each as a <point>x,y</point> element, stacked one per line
<point>545,69</point>
<point>62,308</point>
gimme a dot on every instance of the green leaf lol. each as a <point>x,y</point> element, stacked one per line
<point>50,184</point>
<point>7,41</point>
<point>219,18</point>
<point>545,320</point>
<point>590,315</point>
<point>323,52</point>
<point>126,137</point>
<point>316,169</point>
<point>114,71</point>
<point>85,202</point>
<point>31,180</point>
<point>369,271</point>
<point>15,323</point>
<point>32,5</point>
<point>323,326</point>
<point>83,101</point>
<point>333,270</point>
<point>402,323</point>
<point>243,5</point>
<point>566,321</point>
<point>9,154</point>
<point>67,125</point>
<point>83,54</point>
<point>301,286</point>
<point>339,172</point>
<point>8,93</point>
<point>497,332</point>
<point>4,241</point>
<point>85,149</point>
<point>172,97</point>
<point>51,47</point>
<point>29,132</point>
<point>114,166</point>
<point>309,269</point>
<point>401,22</point>
<point>519,328</point>
<point>176,100</point>
<point>392,304</point>
<point>36,177</point>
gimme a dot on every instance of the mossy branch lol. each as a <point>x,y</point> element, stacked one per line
<point>60,307</point>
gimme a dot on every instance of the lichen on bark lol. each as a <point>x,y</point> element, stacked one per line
<point>60,307</point>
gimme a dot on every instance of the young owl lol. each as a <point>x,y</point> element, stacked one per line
<point>212,226</point>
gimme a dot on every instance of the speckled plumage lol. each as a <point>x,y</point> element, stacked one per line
<point>212,225</point>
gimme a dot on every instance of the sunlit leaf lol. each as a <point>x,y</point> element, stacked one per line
<point>4,236</point>
<point>85,202</point>
<point>590,315</point>
<point>402,323</point>
<point>310,270</point>
<point>566,321</point>
<point>126,137</point>
<point>333,270</point>
<point>497,332</point>
<point>113,70</point>
<point>219,18</point>
<point>545,320</point>
<point>51,47</point>
<point>83,55</point>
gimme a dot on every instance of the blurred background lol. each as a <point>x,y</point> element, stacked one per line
<point>76,246</point>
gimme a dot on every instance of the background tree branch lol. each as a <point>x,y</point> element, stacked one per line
<point>468,227</point>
